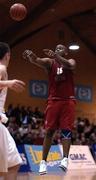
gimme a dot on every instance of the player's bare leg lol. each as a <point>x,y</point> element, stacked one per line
<point>12,173</point>
<point>66,142</point>
<point>47,143</point>
<point>46,147</point>
<point>66,146</point>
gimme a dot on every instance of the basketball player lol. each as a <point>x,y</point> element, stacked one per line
<point>10,159</point>
<point>60,110</point>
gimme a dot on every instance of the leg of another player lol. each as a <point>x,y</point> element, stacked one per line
<point>12,173</point>
<point>47,143</point>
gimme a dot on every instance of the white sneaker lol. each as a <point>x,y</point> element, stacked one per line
<point>64,164</point>
<point>43,167</point>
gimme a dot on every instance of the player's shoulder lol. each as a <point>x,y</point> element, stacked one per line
<point>48,60</point>
<point>2,68</point>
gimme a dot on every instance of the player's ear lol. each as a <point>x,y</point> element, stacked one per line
<point>8,55</point>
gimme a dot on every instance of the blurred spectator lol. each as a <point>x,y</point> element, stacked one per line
<point>38,113</point>
<point>80,125</point>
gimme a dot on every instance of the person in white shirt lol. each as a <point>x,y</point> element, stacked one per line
<point>10,159</point>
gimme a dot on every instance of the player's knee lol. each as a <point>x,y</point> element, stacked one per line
<point>66,134</point>
<point>50,133</point>
<point>14,168</point>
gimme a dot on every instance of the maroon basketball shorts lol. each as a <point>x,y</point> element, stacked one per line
<point>60,114</point>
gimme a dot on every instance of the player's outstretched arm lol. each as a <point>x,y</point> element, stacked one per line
<point>33,58</point>
<point>16,85</point>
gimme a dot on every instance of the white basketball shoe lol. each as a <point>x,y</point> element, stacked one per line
<point>43,167</point>
<point>64,164</point>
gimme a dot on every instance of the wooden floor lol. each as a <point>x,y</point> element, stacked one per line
<point>70,175</point>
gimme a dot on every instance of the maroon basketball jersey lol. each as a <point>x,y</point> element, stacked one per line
<point>61,85</point>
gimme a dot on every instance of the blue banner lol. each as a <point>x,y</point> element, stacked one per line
<point>38,88</point>
<point>83,93</point>
<point>32,155</point>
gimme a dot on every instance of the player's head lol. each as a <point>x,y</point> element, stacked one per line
<point>4,52</point>
<point>61,50</point>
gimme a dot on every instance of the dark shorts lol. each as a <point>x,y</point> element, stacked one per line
<point>60,114</point>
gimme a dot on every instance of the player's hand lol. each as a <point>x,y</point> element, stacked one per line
<point>3,118</point>
<point>16,85</point>
<point>49,52</point>
<point>29,55</point>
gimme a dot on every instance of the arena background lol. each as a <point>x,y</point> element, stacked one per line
<point>49,22</point>
<point>48,38</point>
